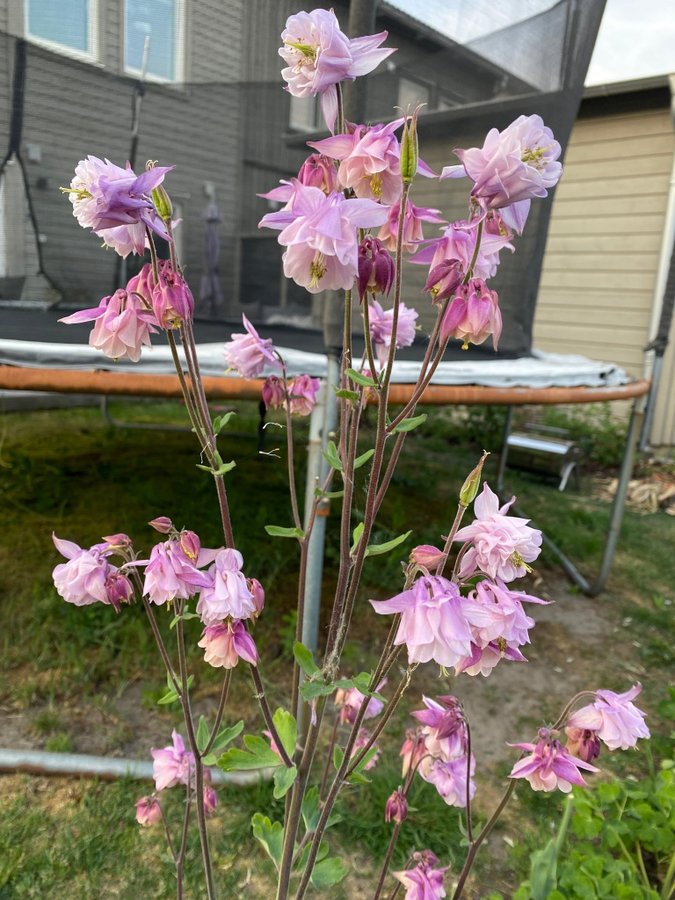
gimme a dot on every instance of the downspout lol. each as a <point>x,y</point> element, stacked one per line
<point>654,354</point>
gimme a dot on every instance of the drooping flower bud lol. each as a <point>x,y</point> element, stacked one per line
<point>117,541</point>
<point>190,544</point>
<point>376,268</point>
<point>163,524</point>
<point>148,811</point>
<point>472,315</point>
<point>210,800</point>
<point>302,392</point>
<point>172,300</point>
<point>119,589</point>
<point>258,594</point>
<point>444,279</point>
<point>396,808</point>
<point>582,743</point>
<point>469,489</point>
<point>426,556</point>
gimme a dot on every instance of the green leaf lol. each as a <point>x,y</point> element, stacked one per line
<point>379,549</point>
<point>221,421</point>
<point>312,689</point>
<point>347,395</point>
<point>287,729</point>
<point>203,734</point>
<point>184,617</point>
<point>223,738</point>
<point>332,456</point>
<point>411,423</point>
<point>283,779</point>
<point>362,683</point>
<point>363,459</point>
<point>358,776</point>
<point>311,809</point>
<point>328,872</point>
<point>169,697</point>
<point>280,531</point>
<point>304,658</point>
<point>331,495</point>
<point>338,756</point>
<point>361,379</point>
<point>270,834</point>
<point>222,469</point>
<point>257,755</point>
<point>356,536</point>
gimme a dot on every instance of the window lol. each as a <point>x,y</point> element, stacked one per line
<point>303,115</point>
<point>67,26</point>
<point>161,21</point>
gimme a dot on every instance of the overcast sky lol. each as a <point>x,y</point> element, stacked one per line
<point>636,38</point>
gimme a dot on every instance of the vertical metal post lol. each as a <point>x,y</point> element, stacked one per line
<point>501,468</point>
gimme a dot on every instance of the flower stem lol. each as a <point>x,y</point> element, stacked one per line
<point>220,711</point>
<point>387,859</point>
<point>267,715</point>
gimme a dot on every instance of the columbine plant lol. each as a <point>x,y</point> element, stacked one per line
<point>347,223</point>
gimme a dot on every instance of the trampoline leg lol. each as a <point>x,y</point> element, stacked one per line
<point>501,468</point>
<point>592,589</point>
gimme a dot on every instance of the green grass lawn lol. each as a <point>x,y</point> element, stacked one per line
<point>67,672</point>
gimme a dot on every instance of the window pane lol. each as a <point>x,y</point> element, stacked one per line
<point>411,93</point>
<point>303,113</point>
<point>155,19</point>
<point>65,22</point>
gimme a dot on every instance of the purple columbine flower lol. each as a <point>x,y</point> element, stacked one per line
<point>172,300</point>
<point>318,171</point>
<point>473,315</point>
<point>258,594</point>
<point>582,743</point>
<point>433,625</point>
<point>319,233</point>
<point>549,766</point>
<point>424,881</point>
<point>381,325</point>
<point>349,701</point>
<point>88,577</point>
<point>171,574</point>
<point>148,811</point>
<point>376,268</point>
<point>458,242</point>
<point>412,226</point>
<point>449,778</point>
<point>248,354</point>
<point>117,203</point>
<point>443,727</point>
<point>123,325</point>
<point>226,592</point>
<point>412,750</point>
<point>501,545</point>
<point>210,800</point>
<point>318,56</point>
<point>172,765</point>
<point>614,718</point>
<point>513,166</point>
<point>274,392</point>
<point>226,643</point>
<point>444,279</point>
<point>302,391</point>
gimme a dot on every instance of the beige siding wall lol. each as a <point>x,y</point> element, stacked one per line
<point>599,276</point>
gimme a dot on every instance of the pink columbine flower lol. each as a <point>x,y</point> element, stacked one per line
<point>302,391</point>
<point>512,166</point>
<point>381,324</point>
<point>226,592</point>
<point>582,743</point>
<point>362,740</point>
<point>614,718</point>
<point>123,325</point>
<point>257,593</point>
<point>396,807</point>
<point>319,233</point>
<point>248,354</point>
<point>319,171</point>
<point>172,300</point>
<point>170,573</point>
<point>172,765</point>
<point>473,315</point>
<point>88,577</point>
<point>483,659</point>
<point>449,778</point>
<point>412,226</point>
<point>501,545</point>
<point>274,392</point>
<point>444,279</point>
<point>423,881</point>
<point>376,268</point>
<point>318,56</point>
<point>412,750</point>
<point>143,284</point>
<point>458,242</point>
<point>148,811</point>
<point>224,644</point>
<point>549,766</point>
<point>116,203</point>
<point>349,701</point>
<point>433,625</point>
<point>443,727</point>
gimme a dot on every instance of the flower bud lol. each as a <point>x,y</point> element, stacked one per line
<point>470,487</point>
<point>172,300</point>
<point>396,808</point>
<point>162,203</point>
<point>582,743</point>
<point>319,171</point>
<point>409,149</point>
<point>190,544</point>
<point>148,811</point>
<point>258,593</point>
<point>426,556</point>
<point>273,392</point>
<point>163,524</point>
<point>118,589</point>
<point>376,268</point>
<point>117,541</point>
<point>210,800</point>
